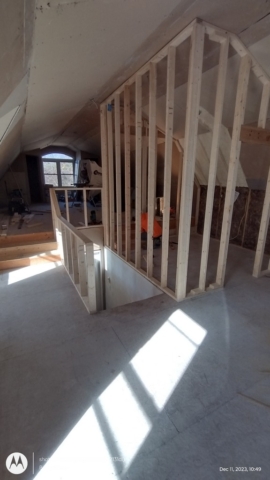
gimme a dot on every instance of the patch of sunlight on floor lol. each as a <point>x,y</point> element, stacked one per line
<point>31,271</point>
<point>117,424</point>
<point>83,454</point>
<point>127,421</point>
<point>164,358</point>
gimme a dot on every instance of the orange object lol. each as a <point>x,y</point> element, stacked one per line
<point>144,225</point>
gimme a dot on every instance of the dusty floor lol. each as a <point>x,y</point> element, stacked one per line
<point>42,219</point>
<point>153,390</point>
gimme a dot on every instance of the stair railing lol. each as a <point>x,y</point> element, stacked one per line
<point>77,254</point>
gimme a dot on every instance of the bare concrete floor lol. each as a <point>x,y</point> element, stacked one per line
<point>240,262</point>
<point>153,390</point>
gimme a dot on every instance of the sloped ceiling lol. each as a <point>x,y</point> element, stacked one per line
<point>60,58</point>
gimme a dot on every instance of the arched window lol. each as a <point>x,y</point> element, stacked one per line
<point>58,169</point>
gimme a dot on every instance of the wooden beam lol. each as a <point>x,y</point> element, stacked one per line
<point>118,173</point>
<point>64,246</point>
<point>191,134</point>
<point>221,83</point>
<point>85,208</point>
<point>91,278</point>
<point>239,113</point>
<point>263,231</point>
<point>255,135</point>
<point>69,253</point>
<point>178,194</point>
<point>168,164</point>
<point>127,171</point>
<point>82,269</point>
<point>264,105</point>
<point>138,169</point>
<point>67,206</point>
<point>74,256</point>
<point>144,171</point>
<point>105,172</point>
<point>111,175</point>
<point>152,161</point>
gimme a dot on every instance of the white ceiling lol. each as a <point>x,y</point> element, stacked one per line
<point>60,58</point>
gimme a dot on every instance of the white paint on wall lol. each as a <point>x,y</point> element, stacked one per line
<point>123,284</point>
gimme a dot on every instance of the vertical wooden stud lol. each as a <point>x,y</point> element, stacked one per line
<point>111,175</point>
<point>64,245</point>
<point>82,269</point>
<point>151,166</point>
<point>191,134</point>
<point>91,277</point>
<point>127,170</point>
<point>105,173</point>
<point>144,171</point>
<point>179,183</point>
<point>118,173</point>
<point>221,82</point>
<point>69,253</point>
<point>240,105</point>
<point>264,105</point>
<point>85,208</point>
<point>67,206</point>
<point>168,164</point>
<point>138,169</point>
<point>75,265</point>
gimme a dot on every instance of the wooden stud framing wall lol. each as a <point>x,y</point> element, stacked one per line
<point>146,138</point>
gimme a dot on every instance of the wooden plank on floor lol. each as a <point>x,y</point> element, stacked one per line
<point>118,173</point>
<point>263,231</point>
<point>191,134</point>
<point>138,169</point>
<point>214,155</point>
<point>151,166</point>
<point>168,164</point>
<point>240,105</point>
<point>127,171</point>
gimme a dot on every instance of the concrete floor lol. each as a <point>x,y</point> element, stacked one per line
<point>152,390</point>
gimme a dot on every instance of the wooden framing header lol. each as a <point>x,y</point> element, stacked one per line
<point>255,135</point>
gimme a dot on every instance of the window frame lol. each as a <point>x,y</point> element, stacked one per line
<point>58,173</point>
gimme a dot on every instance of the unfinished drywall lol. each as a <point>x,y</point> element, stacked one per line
<point>123,284</point>
<point>15,177</point>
